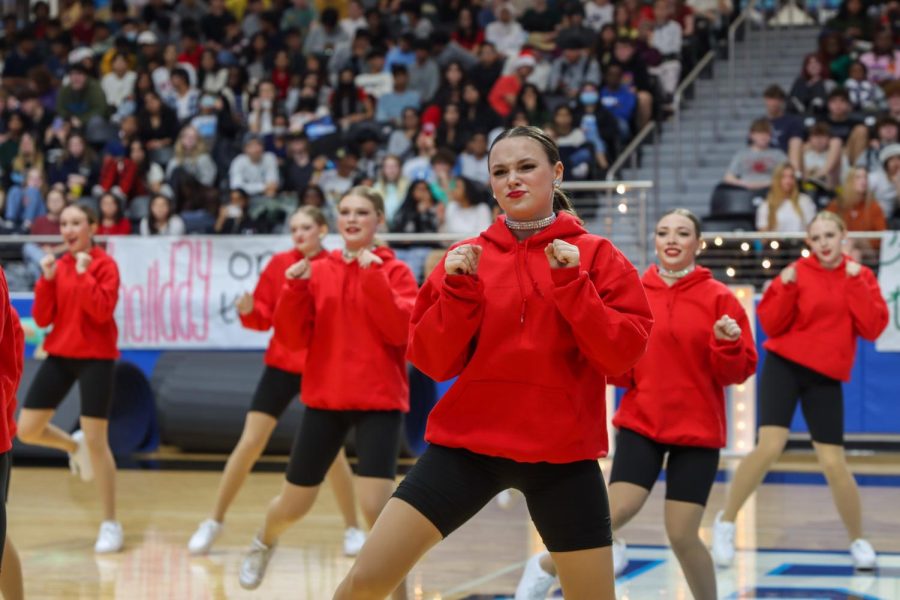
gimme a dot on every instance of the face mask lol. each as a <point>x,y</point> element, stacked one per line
<point>131,35</point>
<point>589,98</point>
<point>279,130</point>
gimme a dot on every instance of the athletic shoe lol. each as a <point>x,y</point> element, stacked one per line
<point>253,567</point>
<point>80,460</point>
<point>110,539</point>
<point>620,557</point>
<point>536,582</point>
<point>203,538</point>
<point>504,499</point>
<point>864,557</point>
<point>722,542</point>
<point>353,541</point>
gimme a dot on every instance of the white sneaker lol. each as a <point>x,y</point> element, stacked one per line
<point>253,567</point>
<point>353,541</point>
<point>504,499</point>
<point>620,557</point>
<point>722,542</point>
<point>536,582</point>
<point>203,538</point>
<point>864,557</point>
<point>80,460</point>
<point>110,539</point>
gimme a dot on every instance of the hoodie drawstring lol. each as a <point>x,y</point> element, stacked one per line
<point>522,288</point>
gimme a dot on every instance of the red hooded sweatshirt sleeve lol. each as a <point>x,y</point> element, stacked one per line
<point>823,308</point>
<point>354,323</point>
<point>80,308</point>
<point>261,318</point>
<point>532,376</point>
<point>675,393</point>
<point>12,350</point>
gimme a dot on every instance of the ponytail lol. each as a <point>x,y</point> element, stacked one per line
<point>562,203</point>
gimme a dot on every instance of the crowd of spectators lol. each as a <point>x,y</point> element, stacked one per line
<point>833,140</point>
<point>222,115</point>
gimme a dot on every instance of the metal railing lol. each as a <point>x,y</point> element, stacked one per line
<point>732,52</point>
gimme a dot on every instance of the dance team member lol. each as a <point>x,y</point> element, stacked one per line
<point>77,294</point>
<point>12,356</point>
<point>351,311</point>
<point>674,404</point>
<point>277,387</point>
<point>813,313</point>
<point>532,315</point>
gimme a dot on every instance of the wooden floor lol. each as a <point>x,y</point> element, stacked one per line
<point>53,520</point>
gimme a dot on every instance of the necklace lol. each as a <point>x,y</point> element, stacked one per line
<point>675,274</point>
<point>531,225</point>
<point>352,254</point>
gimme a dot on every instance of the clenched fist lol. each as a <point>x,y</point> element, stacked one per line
<point>562,254</point>
<point>789,274</point>
<point>48,267</point>
<point>853,268</point>
<point>299,270</point>
<point>727,329</point>
<point>463,260</point>
<point>244,304</point>
<point>82,262</point>
<point>367,258</point>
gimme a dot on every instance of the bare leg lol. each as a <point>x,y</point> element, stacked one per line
<point>35,429</point>
<point>258,428</point>
<point>399,538</point>
<point>374,494</point>
<point>753,469</point>
<point>625,501</point>
<point>857,142</point>
<point>586,574</point>
<point>833,161</point>
<point>11,584</point>
<point>843,486</point>
<point>96,435</point>
<point>287,508</point>
<point>341,479</point>
<point>683,529</point>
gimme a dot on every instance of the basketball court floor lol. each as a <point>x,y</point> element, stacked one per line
<point>791,542</point>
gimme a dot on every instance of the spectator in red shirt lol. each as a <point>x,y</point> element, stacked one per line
<point>504,93</point>
<point>112,219</point>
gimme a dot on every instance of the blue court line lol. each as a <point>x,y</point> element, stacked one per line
<point>809,593</point>
<point>805,478</point>
<point>807,570</point>
<point>642,567</point>
<point>769,550</point>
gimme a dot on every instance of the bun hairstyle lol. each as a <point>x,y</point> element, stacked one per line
<point>561,201</point>
<point>683,212</point>
<point>827,215</point>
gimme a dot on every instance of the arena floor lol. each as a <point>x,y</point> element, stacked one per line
<point>793,545</point>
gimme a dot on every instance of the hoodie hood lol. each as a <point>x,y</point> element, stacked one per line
<point>565,226</point>
<point>812,262</point>
<point>653,281</point>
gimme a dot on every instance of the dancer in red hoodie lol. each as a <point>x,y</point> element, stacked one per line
<point>533,316</point>
<point>350,311</point>
<point>12,351</point>
<point>675,405</point>
<point>813,313</point>
<point>77,294</point>
<point>279,385</point>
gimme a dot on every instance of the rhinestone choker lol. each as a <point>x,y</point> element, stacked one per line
<point>675,274</point>
<point>531,225</point>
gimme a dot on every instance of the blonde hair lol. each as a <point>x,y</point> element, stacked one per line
<point>827,215</point>
<point>370,194</point>
<point>777,196</point>
<point>199,147</point>
<point>844,200</point>
<point>314,213</point>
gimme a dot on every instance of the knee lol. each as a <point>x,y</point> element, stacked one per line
<point>833,463</point>
<point>29,432</point>
<point>96,438</point>
<point>360,585</point>
<point>681,538</point>
<point>371,508</point>
<point>770,450</point>
<point>252,441</point>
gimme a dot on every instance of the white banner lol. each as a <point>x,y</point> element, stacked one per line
<point>889,281</point>
<point>179,293</point>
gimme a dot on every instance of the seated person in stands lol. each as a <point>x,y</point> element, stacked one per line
<point>865,96</point>
<point>885,132</point>
<point>390,106</point>
<point>635,77</point>
<point>576,153</point>
<point>785,209</point>
<point>234,216</point>
<point>810,89</point>
<point>666,38</point>
<point>787,128</point>
<point>25,203</point>
<point>752,167</point>
<point>885,182</point>
<point>844,125</point>
<point>112,216</point>
<point>619,99</point>
<point>823,161</point>
<point>860,211</point>
<point>255,171</point>
<point>598,124</point>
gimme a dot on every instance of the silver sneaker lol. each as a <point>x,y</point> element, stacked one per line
<point>253,567</point>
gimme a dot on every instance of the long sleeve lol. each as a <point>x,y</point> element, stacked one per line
<point>778,307</point>
<point>391,293</point>
<point>99,291</point>
<point>206,170</point>
<point>294,315</point>
<point>868,309</point>
<point>44,308</point>
<point>265,298</point>
<point>450,309</point>
<point>610,317</point>
<point>733,362</point>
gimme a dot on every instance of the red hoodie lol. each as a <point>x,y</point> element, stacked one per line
<point>80,308</point>
<point>532,346</point>
<point>354,323</point>
<point>265,298</point>
<point>675,393</point>
<point>12,356</point>
<point>815,320</point>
